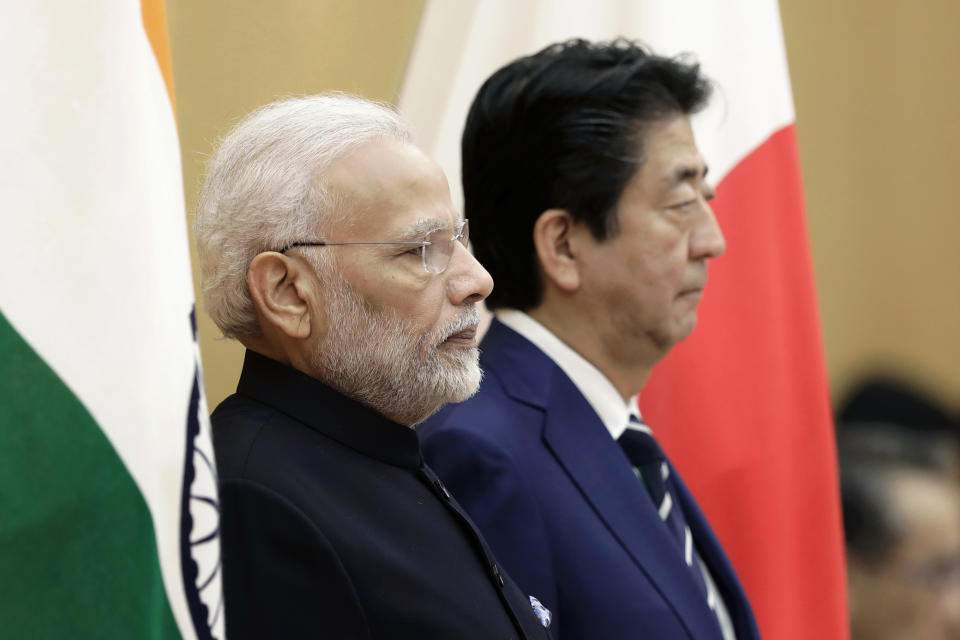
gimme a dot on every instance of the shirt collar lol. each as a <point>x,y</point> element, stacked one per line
<point>595,387</point>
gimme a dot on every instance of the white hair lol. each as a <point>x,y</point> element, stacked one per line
<point>265,188</point>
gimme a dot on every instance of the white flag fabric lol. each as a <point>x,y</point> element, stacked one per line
<point>107,478</point>
<point>739,45</point>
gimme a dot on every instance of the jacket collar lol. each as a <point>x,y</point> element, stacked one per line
<point>592,384</point>
<point>327,411</point>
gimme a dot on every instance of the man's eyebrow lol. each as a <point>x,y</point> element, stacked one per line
<point>690,172</point>
<point>420,228</point>
<point>684,173</point>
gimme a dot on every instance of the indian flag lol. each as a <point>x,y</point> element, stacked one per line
<point>108,503</point>
<point>741,406</point>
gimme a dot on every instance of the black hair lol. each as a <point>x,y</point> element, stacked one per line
<point>890,398</point>
<point>872,454</point>
<point>562,128</point>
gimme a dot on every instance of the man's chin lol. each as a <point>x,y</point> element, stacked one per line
<point>687,328</point>
<point>467,392</point>
<point>464,384</point>
<point>453,392</point>
<point>668,336</point>
<point>683,326</point>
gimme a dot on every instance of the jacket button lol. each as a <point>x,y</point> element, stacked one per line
<point>496,574</point>
<point>443,489</point>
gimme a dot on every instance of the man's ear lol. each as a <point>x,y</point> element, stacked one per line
<point>552,234</point>
<point>280,287</point>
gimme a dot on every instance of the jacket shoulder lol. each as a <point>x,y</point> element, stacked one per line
<point>492,414</point>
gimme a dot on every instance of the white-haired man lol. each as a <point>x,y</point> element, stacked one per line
<point>331,250</point>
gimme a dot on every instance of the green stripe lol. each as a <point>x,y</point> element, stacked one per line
<point>78,556</point>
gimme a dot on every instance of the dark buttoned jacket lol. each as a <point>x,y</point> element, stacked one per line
<point>333,527</point>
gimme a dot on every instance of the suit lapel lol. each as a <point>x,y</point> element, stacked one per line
<point>598,467</point>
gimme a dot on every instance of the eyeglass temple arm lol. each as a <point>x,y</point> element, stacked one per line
<point>322,243</point>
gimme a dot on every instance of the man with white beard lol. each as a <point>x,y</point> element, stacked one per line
<point>331,250</point>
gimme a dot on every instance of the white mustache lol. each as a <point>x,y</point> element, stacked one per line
<point>469,320</point>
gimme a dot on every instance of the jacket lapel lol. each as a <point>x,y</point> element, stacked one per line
<point>598,467</point>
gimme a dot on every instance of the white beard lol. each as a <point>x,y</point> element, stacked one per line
<point>375,358</point>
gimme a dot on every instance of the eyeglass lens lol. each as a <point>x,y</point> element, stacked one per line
<point>436,255</point>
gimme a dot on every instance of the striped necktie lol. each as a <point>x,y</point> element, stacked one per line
<point>650,465</point>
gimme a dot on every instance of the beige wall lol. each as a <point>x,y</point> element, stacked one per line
<point>876,91</point>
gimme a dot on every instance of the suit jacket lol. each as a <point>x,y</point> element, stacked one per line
<point>332,526</point>
<point>558,501</point>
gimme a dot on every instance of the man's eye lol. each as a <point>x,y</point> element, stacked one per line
<point>416,251</point>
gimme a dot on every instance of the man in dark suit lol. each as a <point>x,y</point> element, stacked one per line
<point>588,200</point>
<point>330,249</point>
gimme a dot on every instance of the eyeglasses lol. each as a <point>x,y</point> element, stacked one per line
<point>436,248</point>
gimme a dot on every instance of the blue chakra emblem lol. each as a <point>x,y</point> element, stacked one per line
<point>200,516</point>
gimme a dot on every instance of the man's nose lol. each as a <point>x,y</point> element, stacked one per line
<point>707,240</point>
<point>467,282</point>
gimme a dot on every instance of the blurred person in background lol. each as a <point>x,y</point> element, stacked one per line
<point>889,399</point>
<point>901,511</point>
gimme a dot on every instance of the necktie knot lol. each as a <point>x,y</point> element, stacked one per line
<point>639,444</point>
